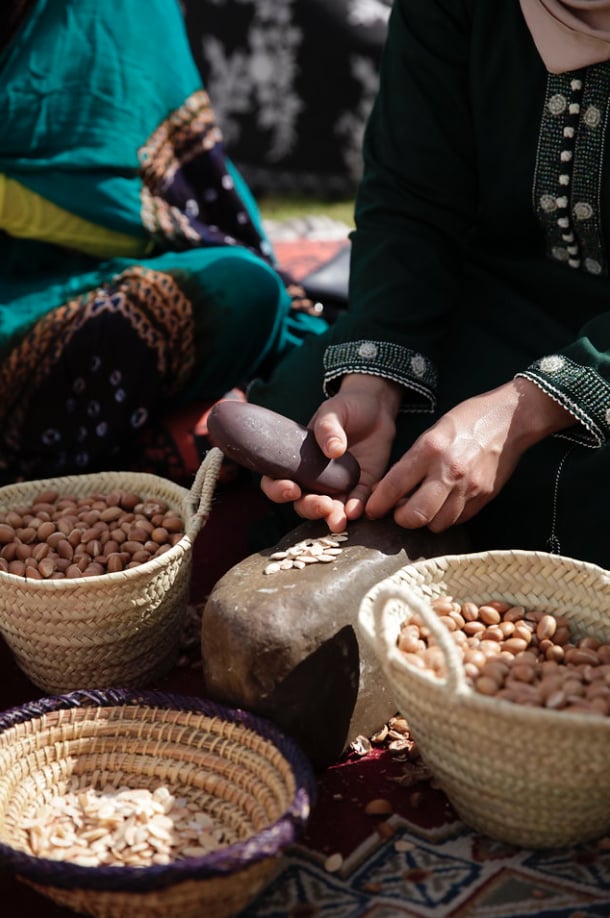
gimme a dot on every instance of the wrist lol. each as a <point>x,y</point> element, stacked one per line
<point>537,413</point>
<point>386,391</point>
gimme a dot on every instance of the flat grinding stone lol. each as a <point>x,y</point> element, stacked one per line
<point>286,645</point>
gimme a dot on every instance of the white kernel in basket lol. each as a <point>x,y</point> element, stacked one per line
<point>120,827</point>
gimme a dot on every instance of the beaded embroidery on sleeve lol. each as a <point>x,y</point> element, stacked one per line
<point>412,370</point>
<point>567,200</point>
<point>581,391</point>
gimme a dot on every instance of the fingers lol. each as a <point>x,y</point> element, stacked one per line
<point>432,507</point>
<point>417,502</point>
<point>360,493</point>
<point>280,491</point>
<point>432,503</point>
<point>337,511</point>
<point>320,506</point>
<point>394,489</point>
<point>311,506</point>
<point>334,511</point>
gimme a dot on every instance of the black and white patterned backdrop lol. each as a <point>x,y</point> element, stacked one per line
<point>292,83</point>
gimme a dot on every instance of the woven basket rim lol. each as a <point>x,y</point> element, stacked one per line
<point>90,477</point>
<point>222,862</point>
<point>521,554</point>
<point>396,666</point>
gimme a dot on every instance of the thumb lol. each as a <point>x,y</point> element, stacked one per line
<point>330,434</point>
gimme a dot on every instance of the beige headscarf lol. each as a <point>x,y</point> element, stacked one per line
<point>569,34</point>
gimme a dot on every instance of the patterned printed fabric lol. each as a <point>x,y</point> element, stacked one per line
<point>135,274</point>
<point>416,859</point>
<point>293,82</point>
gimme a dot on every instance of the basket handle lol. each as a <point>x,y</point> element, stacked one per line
<point>415,605</point>
<point>198,501</point>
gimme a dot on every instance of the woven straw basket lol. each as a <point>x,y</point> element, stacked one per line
<point>116,629</point>
<point>524,775</point>
<point>240,769</point>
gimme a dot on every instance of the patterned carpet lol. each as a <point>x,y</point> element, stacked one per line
<point>383,841</point>
<point>420,860</point>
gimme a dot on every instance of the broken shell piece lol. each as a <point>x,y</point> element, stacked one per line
<point>334,862</point>
<point>380,735</point>
<point>361,745</point>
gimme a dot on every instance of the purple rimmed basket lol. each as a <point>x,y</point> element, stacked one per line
<point>239,768</point>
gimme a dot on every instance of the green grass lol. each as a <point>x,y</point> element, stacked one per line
<point>288,207</point>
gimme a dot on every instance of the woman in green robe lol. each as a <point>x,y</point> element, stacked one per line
<point>470,374</point>
<point>135,273</point>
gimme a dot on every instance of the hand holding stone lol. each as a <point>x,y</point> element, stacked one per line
<point>276,446</point>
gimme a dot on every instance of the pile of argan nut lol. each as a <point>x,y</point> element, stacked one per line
<point>65,536</point>
<point>521,655</point>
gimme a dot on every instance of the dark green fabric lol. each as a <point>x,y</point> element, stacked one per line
<point>449,259</point>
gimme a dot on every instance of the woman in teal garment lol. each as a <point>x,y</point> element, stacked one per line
<point>470,374</point>
<point>135,273</point>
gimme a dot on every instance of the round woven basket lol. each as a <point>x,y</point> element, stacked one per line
<point>524,775</point>
<point>116,629</point>
<point>238,768</point>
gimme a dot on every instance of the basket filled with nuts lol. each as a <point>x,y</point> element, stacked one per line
<point>95,574</point>
<point>500,662</point>
<point>122,803</point>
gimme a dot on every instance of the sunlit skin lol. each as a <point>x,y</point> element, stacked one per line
<point>450,472</point>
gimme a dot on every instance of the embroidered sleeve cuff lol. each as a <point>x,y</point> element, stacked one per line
<point>581,391</point>
<point>415,372</point>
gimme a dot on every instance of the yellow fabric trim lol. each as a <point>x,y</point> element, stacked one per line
<point>27,215</point>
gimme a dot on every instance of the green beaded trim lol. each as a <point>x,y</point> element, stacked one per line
<point>567,181</point>
<point>581,391</point>
<point>589,154</point>
<point>412,370</point>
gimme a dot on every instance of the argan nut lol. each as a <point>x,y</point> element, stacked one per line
<point>378,807</point>
<point>7,534</point>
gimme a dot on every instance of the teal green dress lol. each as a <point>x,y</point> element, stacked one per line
<point>135,273</point>
<point>481,253</point>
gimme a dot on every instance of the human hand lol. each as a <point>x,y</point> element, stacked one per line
<point>465,459</point>
<point>362,417</point>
